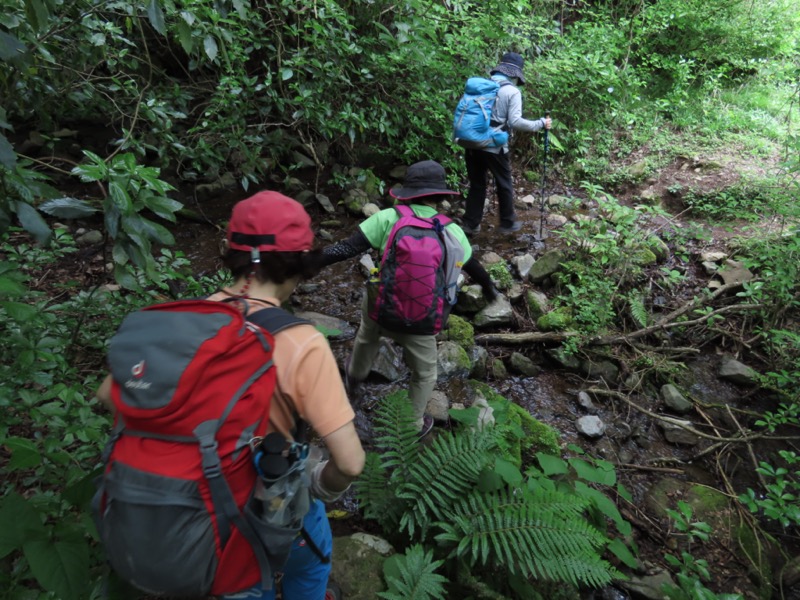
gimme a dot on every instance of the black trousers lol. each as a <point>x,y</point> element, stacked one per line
<point>478,163</point>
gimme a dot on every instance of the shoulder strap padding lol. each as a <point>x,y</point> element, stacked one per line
<point>275,319</point>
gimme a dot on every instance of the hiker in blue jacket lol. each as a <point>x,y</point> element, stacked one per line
<point>424,186</point>
<point>507,113</point>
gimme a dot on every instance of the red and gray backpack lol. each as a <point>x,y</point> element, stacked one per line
<point>192,385</point>
<point>417,283</point>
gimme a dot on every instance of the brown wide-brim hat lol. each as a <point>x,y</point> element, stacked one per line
<point>426,178</point>
<point>511,66</point>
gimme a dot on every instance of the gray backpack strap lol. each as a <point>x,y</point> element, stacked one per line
<point>225,507</point>
<point>275,319</point>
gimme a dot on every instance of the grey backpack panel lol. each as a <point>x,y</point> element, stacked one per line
<point>148,363</point>
<point>184,549</point>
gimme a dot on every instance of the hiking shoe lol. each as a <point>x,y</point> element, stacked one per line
<point>515,226</point>
<point>470,230</point>
<point>334,592</point>
<point>427,425</point>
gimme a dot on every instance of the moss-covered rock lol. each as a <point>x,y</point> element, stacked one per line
<point>556,320</point>
<point>501,276</point>
<point>460,331</point>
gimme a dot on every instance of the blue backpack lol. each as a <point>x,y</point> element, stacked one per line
<point>472,122</point>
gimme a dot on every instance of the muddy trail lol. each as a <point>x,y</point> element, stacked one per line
<point>656,471</point>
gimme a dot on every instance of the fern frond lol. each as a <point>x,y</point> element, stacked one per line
<point>444,473</point>
<point>412,576</point>
<point>396,432</point>
<point>375,494</point>
<point>638,309</point>
<point>541,534</point>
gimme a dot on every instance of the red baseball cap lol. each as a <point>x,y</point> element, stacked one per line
<point>270,222</point>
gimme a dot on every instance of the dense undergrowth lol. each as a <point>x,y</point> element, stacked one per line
<point>191,91</point>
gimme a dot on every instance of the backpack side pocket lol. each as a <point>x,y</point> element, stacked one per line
<point>157,532</point>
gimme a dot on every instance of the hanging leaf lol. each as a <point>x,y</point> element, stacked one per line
<point>33,223</point>
<point>156,16</point>
<point>60,566</point>
<point>185,37</point>
<point>286,74</point>
<point>8,158</point>
<point>11,49</point>
<point>210,46</point>
<point>67,208</point>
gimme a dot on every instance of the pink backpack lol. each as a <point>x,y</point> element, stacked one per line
<point>416,286</point>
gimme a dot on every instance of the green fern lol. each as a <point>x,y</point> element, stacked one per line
<point>396,432</point>
<point>540,533</point>
<point>443,474</point>
<point>638,309</point>
<point>411,576</point>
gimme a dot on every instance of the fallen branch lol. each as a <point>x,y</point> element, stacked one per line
<point>523,338</point>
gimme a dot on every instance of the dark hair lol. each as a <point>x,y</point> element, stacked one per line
<point>276,267</point>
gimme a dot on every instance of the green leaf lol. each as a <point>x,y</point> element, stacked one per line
<point>37,14</point>
<point>68,208</point>
<point>164,207</point>
<point>602,472</point>
<point>552,465</point>
<point>124,278</point>
<point>508,471</point>
<point>210,46</point>
<point>61,567</point>
<point>8,158</point>
<point>33,223</point>
<point>24,453</point>
<point>286,74</point>
<point>18,311</point>
<point>11,48</point>
<point>20,521</point>
<point>11,287</point>
<point>185,37</point>
<point>120,198</point>
<point>622,552</point>
<point>156,16</point>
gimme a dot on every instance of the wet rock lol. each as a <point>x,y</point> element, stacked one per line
<point>633,381</point>
<point>335,329</point>
<point>537,303</point>
<point>732,370</point>
<point>389,362</point>
<point>460,331</point>
<point>90,238</point>
<point>523,365</point>
<point>523,265</point>
<point>308,288</point>
<point>479,357</point>
<point>355,200</point>
<point>470,300</point>
<point>638,169</point>
<point>649,196</point>
<point>226,183</point>
<point>398,172</point>
<point>709,267</point>
<point>712,256</point>
<point>515,292</point>
<point>734,272</point>
<point>492,258</point>
<point>452,361</point>
<point>528,201</point>
<point>675,434</point>
<point>498,312</point>
<point>555,221</point>
<point>357,568</point>
<point>370,209</point>
<point>603,369</point>
<point>591,426</point>
<point>643,257</point>
<point>648,587</point>
<point>658,247</point>
<point>675,400</point>
<point>499,371</point>
<point>438,405</point>
<point>567,361</point>
<point>546,265</point>
<point>557,200</point>
<point>585,400</point>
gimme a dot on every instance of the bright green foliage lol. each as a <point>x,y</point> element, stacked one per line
<point>412,576</point>
<point>132,189</point>
<point>781,502</point>
<point>479,508</point>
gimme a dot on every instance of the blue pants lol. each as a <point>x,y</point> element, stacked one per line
<point>305,576</point>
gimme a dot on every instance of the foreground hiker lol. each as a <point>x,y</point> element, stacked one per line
<point>410,298</point>
<point>173,376</point>
<point>507,116</point>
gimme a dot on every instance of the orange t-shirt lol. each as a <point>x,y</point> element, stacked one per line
<point>309,384</point>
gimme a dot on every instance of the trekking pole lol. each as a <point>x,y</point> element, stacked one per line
<point>544,178</point>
